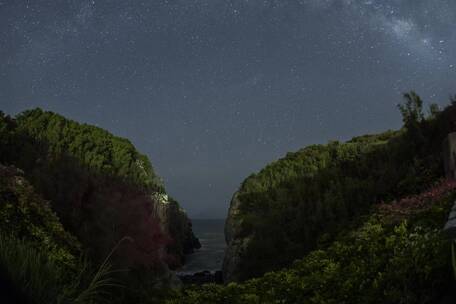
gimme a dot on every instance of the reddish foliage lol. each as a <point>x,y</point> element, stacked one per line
<point>149,242</point>
<point>411,205</point>
<point>116,211</point>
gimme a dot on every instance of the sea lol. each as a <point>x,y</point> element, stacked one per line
<point>210,233</point>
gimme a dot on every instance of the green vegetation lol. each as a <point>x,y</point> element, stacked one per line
<point>79,192</point>
<point>30,270</point>
<point>24,214</point>
<point>36,136</point>
<point>97,184</point>
<point>304,198</point>
<point>38,258</point>
<point>325,223</point>
<point>396,255</point>
<point>36,278</point>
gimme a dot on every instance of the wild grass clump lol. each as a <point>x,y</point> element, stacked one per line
<point>34,278</point>
<point>30,272</point>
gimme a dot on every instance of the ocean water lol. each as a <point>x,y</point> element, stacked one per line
<point>210,256</point>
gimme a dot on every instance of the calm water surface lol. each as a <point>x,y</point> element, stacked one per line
<point>210,256</point>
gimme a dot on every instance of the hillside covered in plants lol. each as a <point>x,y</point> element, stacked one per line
<point>354,222</point>
<point>284,211</point>
<point>75,194</point>
<point>396,254</point>
<point>39,259</point>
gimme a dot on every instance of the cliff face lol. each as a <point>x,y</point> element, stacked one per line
<point>236,242</point>
<point>174,222</point>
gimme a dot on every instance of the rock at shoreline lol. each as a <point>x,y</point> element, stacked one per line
<point>202,277</point>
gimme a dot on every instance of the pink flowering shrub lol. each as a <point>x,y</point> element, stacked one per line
<point>405,207</point>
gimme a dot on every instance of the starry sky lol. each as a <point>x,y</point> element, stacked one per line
<point>212,90</point>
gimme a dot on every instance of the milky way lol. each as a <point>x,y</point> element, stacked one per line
<point>212,90</point>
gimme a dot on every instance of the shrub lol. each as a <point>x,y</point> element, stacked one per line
<point>388,259</point>
<point>291,203</point>
<point>35,278</point>
<point>24,214</point>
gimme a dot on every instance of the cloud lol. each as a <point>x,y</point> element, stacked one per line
<point>402,29</point>
<point>405,23</point>
<point>408,35</point>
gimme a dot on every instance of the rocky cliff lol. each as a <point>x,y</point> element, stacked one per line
<point>236,242</point>
<point>174,221</point>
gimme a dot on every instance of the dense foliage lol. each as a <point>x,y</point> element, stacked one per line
<point>303,198</point>
<point>29,275</point>
<point>397,255</point>
<point>25,215</point>
<point>35,133</point>
<point>98,184</point>
<point>312,211</point>
<point>39,261</point>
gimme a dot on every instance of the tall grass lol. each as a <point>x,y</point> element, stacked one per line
<point>102,280</point>
<point>29,272</point>
<point>38,279</point>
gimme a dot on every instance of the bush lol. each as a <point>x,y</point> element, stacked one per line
<point>31,274</point>
<point>32,277</point>
<point>24,214</point>
<point>292,203</point>
<point>388,259</point>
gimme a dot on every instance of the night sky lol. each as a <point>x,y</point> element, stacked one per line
<point>213,90</point>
